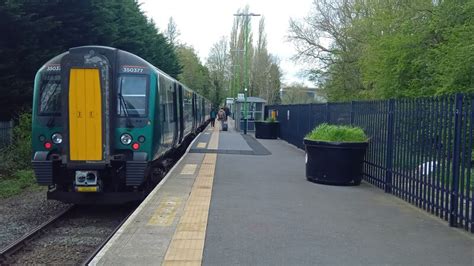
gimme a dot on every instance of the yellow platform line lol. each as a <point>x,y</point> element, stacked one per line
<point>214,141</point>
<point>187,244</point>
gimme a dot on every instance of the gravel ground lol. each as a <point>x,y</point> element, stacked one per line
<point>72,239</point>
<point>21,213</point>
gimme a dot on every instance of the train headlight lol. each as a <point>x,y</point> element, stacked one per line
<point>126,139</point>
<point>57,138</point>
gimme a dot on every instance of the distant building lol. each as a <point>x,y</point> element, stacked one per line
<point>314,93</point>
<point>229,102</point>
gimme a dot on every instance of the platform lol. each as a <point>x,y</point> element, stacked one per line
<point>233,200</point>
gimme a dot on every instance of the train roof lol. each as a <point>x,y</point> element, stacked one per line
<point>123,56</point>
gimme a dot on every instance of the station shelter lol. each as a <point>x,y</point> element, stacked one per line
<point>255,112</point>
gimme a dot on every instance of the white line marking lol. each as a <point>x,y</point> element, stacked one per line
<point>189,169</point>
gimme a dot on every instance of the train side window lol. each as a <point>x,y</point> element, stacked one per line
<point>50,95</point>
<point>162,94</point>
<point>132,96</point>
<point>171,103</point>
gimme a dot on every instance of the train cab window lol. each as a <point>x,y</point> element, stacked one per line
<point>50,95</point>
<point>132,100</point>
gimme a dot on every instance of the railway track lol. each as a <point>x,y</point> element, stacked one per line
<point>7,253</point>
<point>73,236</point>
<point>94,253</point>
<point>63,240</point>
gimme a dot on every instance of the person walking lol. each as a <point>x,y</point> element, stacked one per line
<point>213,116</point>
<point>221,117</point>
<point>227,112</point>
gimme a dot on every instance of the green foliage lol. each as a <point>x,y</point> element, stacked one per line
<point>15,168</point>
<point>271,120</point>
<point>40,30</point>
<point>218,64</point>
<point>194,74</point>
<point>17,156</point>
<point>388,49</point>
<point>21,180</point>
<point>252,66</point>
<point>337,133</point>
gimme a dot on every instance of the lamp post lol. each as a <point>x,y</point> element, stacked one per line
<point>246,83</point>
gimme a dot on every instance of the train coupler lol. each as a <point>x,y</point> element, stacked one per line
<point>87,181</point>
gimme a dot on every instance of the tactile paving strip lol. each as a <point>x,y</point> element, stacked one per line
<point>187,244</point>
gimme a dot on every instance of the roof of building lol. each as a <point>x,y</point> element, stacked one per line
<point>252,100</point>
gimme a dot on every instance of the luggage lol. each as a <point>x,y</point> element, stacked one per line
<point>224,126</point>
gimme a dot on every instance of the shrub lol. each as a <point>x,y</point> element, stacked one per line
<point>20,180</point>
<point>17,156</point>
<point>271,120</point>
<point>336,133</point>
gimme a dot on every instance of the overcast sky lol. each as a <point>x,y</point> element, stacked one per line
<point>202,23</point>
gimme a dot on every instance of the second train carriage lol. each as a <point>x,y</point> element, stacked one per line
<point>102,119</point>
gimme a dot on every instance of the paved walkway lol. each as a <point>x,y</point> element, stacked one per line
<point>264,212</point>
<point>234,200</point>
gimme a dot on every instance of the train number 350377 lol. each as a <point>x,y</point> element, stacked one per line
<point>132,69</point>
<point>53,68</point>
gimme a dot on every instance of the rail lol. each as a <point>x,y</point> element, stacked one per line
<point>21,242</point>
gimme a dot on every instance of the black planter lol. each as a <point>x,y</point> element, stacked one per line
<point>267,130</point>
<point>334,163</point>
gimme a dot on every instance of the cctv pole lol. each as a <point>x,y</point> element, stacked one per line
<point>245,72</point>
<point>246,76</point>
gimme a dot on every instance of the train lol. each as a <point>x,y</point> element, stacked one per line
<point>106,123</point>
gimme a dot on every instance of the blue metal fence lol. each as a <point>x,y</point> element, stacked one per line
<point>420,150</point>
<point>6,128</point>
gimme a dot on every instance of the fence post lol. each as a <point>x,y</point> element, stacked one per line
<point>453,206</point>
<point>12,125</point>
<point>328,117</point>
<point>352,113</point>
<point>389,155</point>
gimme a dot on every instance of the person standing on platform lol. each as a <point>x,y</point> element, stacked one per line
<point>213,116</point>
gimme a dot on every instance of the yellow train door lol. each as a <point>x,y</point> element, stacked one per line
<point>85,115</point>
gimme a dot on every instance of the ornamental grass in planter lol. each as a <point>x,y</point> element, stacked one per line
<point>268,129</point>
<point>335,154</point>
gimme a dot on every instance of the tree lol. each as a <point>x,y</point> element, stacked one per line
<point>274,84</point>
<point>324,40</point>
<point>296,93</point>
<point>40,30</point>
<point>364,49</point>
<point>451,60</point>
<point>266,74</point>
<point>241,53</point>
<point>261,62</point>
<point>219,70</point>
<point>194,74</point>
<point>172,32</point>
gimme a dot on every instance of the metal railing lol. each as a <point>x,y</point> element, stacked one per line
<point>6,128</point>
<point>420,150</point>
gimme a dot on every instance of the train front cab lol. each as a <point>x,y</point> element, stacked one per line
<point>92,130</point>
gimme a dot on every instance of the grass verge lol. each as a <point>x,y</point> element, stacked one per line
<point>21,180</point>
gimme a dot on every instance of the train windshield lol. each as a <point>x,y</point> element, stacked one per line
<point>132,96</point>
<point>50,95</point>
